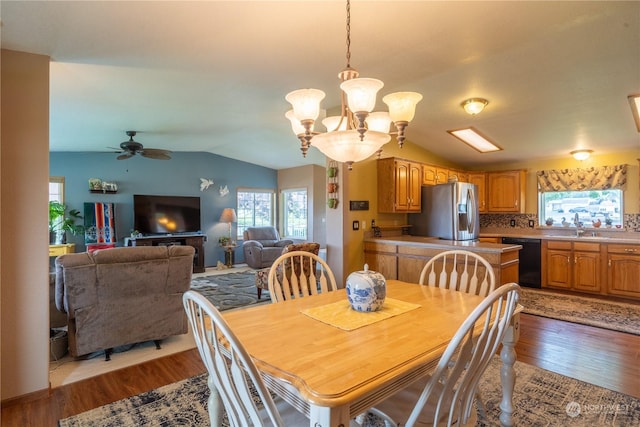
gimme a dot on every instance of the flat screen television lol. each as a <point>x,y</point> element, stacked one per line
<point>166,214</point>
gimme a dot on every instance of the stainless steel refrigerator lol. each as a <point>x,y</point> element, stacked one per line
<point>449,211</point>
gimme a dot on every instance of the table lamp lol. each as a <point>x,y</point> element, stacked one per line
<point>228,216</point>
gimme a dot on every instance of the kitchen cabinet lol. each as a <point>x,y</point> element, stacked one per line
<point>382,258</point>
<point>461,176</point>
<point>480,180</point>
<point>506,191</point>
<point>399,186</point>
<point>623,270</point>
<point>432,175</point>
<point>572,265</point>
<point>403,258</point>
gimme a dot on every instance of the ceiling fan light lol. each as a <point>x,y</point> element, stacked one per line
<point>581,154</point>
<point>306,103</point>
<point>361,93</point>
<point>474,106</point>
<point>402,105</point>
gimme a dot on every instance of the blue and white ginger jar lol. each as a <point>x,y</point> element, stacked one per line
<point>366,290</point>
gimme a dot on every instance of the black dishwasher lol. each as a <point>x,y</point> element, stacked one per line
<point>530,268</point>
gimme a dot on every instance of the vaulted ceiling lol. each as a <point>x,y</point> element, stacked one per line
<point>212,75</point>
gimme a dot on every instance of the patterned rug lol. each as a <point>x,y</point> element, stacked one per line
<point>617,316</point>
<point>232,290</point>
<point>542,399</point>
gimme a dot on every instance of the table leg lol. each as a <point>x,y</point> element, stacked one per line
<point>322,416</point>
<point>507,373</point>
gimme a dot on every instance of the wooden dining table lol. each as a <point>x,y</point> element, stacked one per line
<point>332,363</point>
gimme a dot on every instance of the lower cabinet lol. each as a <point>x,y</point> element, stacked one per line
<point>572,265</point>
<point>605,269</point>
<point>405,262</point>
<point>382,258</point>
<point>623,270</point>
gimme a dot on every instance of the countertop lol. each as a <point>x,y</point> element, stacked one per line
<point>569,233</point>
<point>434,242</point>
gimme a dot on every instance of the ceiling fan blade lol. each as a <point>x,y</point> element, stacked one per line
<point>124,156</point>
<point>154,153</point>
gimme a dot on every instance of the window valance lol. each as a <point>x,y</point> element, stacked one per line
<point>593,178</point>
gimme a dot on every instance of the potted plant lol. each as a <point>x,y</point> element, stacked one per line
<point>223,240</point>
<point>61,221</point>
<point>549,221</point>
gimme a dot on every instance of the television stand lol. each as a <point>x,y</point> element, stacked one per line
<point>195,240</point>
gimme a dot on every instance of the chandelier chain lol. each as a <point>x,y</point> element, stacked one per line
<point>348,34</point>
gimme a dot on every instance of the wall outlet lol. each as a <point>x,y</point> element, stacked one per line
<point>532,223</point>
<point>512,222</point>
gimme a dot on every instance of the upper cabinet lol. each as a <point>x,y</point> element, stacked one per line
<point>399,185</point>
<point>480,180</point>
<point>506,191</point>
<point>432,175</point>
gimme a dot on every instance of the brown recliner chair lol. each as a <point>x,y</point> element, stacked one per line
<point>121,296</point>
<point>262,245</point>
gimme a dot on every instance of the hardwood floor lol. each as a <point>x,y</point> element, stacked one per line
<point>597,356</point>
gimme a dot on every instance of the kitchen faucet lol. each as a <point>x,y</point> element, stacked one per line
<point>578,224</point>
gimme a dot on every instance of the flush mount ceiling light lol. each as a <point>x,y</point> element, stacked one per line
<point>634,102</point>
<point>474,106</point>
<point>472,137</point>
<point>581,154</point>
<point>357,133</point>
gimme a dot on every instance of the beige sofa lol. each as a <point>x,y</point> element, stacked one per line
<point>122,296</point>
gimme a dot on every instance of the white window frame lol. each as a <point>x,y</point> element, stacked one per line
<point>245,220</point>
<point>298,232</point>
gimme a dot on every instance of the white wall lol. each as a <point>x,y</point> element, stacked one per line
<point>24,242</point>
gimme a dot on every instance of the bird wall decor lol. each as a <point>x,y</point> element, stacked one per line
<point>205,183</point>
<point>223,191</point>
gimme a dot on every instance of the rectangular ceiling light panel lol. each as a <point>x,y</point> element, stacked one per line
<point>475,140</point>
<point>634,102</point>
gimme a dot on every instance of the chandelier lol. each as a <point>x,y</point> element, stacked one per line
<point>357,132</point>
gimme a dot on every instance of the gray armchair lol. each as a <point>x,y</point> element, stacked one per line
<point>262,245</point>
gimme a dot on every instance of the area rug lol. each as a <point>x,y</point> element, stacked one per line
<point>231,290</point>
<point>541,399</point>
<point>617,316</point>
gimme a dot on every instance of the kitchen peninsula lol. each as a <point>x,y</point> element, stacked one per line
<point>403,257</point>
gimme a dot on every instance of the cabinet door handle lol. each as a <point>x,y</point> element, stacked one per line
<point>609,262</point>
<point>630,250</point>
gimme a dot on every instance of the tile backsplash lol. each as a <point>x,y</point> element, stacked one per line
<point>511,221</point>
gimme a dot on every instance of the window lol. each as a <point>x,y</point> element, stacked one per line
<point>583,195</point>
<point>295,213</point>
<point>56,188</point>
<point>255,209</point>
<point>590,205</point>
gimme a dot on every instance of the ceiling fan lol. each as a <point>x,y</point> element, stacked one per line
<point>130,148</point>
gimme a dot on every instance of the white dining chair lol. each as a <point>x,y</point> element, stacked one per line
<point>459,270</point>
<point>445,397</point>
<point>232,374</point>
<point>298,274</point>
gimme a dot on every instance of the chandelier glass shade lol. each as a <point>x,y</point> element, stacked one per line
<point>346,144</point>
<point>358,132</point>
